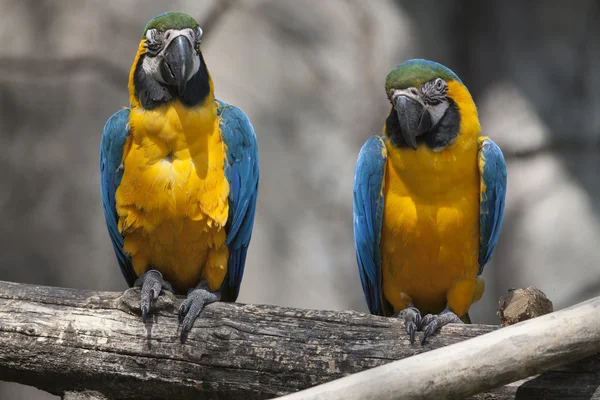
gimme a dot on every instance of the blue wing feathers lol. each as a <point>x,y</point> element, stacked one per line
<point>492,169</point>
<point>111,154</point>
<point>368,219</point>
<point>242,172</point>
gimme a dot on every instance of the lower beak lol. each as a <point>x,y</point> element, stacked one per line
<point>178,63</point>
<point>414,119</point>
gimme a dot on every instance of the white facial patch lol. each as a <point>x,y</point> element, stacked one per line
<point>437,111</point>
<point>151,65</point>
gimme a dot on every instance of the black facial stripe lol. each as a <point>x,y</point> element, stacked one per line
<point>153,47</point>
<point>430,89</point>
<point>152,52</point>
<point>155,40</point>
<point>431,94</point>
<point>434,101</point>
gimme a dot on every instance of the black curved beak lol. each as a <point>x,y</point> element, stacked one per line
<point>414,119</point>
<point>178,63</point>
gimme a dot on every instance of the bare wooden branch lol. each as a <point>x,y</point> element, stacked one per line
<point>476,365</point>
<point>87,395</point>
<point>73,342</point>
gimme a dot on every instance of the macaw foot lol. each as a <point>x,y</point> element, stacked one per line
<point>412,320</point>
<point>431,323</point>
<point>191,307</point>
<point>152,284</point>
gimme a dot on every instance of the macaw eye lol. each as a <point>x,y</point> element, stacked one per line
<point>439,84</point>
<point>151,35</point>
<point>154,40</point>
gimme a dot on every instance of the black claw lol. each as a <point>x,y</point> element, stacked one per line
<point>151,283</point>
<point>183,309</point>
<point>189,315</point>
<point>412,320</point>
<point>411,327</point>
<point>432,323</point>
<point>193,305</point>
<point>430,330</point>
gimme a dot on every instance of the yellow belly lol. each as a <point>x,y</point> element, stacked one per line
<point>172,200</point>
<point>430,233</point>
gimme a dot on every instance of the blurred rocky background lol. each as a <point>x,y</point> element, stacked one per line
<point>310,75</point>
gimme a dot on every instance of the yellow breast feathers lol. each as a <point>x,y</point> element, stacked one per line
<point>172,200</point>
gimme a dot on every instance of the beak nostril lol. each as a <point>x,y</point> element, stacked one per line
<point>414,91</point>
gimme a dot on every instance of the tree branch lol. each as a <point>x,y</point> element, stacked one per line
<point>76,342</point>
<point>479,364</point>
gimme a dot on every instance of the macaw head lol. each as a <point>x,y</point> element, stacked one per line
<point>169,64</point>
<point>430,106</point>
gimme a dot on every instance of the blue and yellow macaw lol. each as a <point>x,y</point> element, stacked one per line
<point>179,175</point>
<point>428,201</point>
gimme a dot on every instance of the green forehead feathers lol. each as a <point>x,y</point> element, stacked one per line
<point>171,20</point>
<point>416,72</point>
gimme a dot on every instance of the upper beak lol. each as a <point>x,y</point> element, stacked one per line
<point>414,119</point>
<point>178,63</point>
